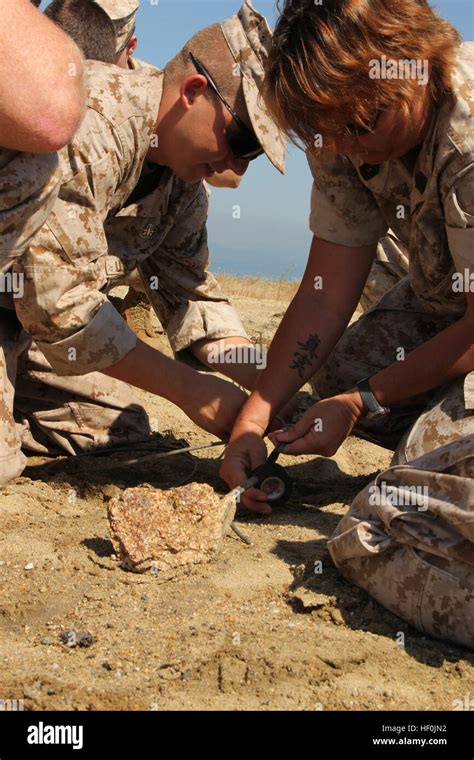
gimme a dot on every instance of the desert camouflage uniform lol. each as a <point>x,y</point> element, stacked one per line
<point>416,560</point>
<point>65,270</point>
<point>97,232</point>
<point>114,213</point>
<point>29,184</point>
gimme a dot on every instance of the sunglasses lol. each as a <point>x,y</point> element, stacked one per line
<point>242,142</point>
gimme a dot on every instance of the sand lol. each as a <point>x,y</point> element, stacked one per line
<point>267,626</point>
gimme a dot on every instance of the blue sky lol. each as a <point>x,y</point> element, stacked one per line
<point>272,236</point>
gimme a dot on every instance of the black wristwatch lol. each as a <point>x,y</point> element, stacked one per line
<point>372,409</point>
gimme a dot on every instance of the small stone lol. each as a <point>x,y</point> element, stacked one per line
<point>110,491</point>
<point>298,571</point>
<point>186,675</point>
<point>29,566</point>
<point>107,665</point>
<point>31,692</point>
<point>77,638</point>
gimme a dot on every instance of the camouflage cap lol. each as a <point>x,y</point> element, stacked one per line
<point>249,38</point>
<point>122,13</point>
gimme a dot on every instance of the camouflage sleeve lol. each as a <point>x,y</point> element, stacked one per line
<point>343,210</point>
<point>64,270</point>
<point>185,296</point>
<point>29,185</point>
<point>459,219</point>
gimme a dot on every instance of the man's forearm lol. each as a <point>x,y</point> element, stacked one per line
<point>149,369</point>
<point>448,355</point>
<point>236,357</point>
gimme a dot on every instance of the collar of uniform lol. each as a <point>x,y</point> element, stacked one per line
<point>373,175</point>
<point>424,163</point>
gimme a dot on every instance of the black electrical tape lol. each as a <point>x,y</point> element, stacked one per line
<point>277,484</point>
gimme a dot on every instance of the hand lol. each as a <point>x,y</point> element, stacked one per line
<point>213,404</point>
<point>245,452</point>
<point>323,427</point>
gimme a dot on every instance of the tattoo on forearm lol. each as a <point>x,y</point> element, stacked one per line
<point>306,356</point>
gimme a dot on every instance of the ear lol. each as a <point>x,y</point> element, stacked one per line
<point>132,45</point>
<point>191,88</point>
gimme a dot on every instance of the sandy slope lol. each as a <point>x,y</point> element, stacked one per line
<point>256,629</point>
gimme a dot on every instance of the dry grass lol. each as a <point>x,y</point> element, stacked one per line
<point>258,287</point>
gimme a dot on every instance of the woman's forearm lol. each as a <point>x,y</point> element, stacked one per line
<point>448,355</point>
<point>311,327</point>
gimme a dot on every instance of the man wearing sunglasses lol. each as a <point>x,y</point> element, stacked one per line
<point>132,195</point>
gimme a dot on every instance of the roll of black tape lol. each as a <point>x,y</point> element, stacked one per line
<point>276,484</point>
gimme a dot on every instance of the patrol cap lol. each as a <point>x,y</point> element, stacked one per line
<point>249,38</point>
<point>122,13</point>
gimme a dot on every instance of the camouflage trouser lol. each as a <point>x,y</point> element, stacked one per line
<point>408,538</point>
<point>48,414</point>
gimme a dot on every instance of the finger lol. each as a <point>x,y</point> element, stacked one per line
<point>273,435</point>
<point>304,445</point>
<point>286,435</point>
<point>233,472</point>
<point>256,501</point>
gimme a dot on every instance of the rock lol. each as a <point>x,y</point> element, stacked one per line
<point>77,638</point>
<point>110,491</point>
<point>31,692</point>
<point>153,529</point>
<point>29,566</point>
<point>311,599</point>
<point>298,571</point>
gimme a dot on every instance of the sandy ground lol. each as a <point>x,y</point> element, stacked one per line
<point>256,629</point>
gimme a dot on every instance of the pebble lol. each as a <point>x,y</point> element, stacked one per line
<point>77,638</point>
<point>110,491</point>
<point>32,691</point>
<point>29,566</point>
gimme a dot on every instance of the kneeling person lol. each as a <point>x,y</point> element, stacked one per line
<point>113,213</point>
